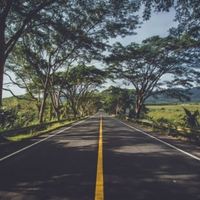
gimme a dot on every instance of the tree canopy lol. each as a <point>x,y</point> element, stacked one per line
<point>81,83</point>
<point>145,65</point>
<point>80,23</point>
<point>116,99</point>
<point>38,39</point>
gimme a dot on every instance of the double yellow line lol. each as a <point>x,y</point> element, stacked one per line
<point>99,190</point>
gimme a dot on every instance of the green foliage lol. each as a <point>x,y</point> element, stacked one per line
<point>116,99</point>
<point>21,113</point>
<point>38,45</point>
<point>77,32</point>
<point>191,119</point>
<point>25,112</point>
<point>80,86</point>
<point>7,118</point>
<point>145,66</point>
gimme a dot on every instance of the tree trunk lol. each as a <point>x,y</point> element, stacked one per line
<point>50,112</point>
<point>3,16</point>
<point>57,111</point>
<point>56,105</point>
<point>75,112</point>
<point>2,62</point>
<point>42,108</point>
<point>2,58</point>
<point>138,108</point>
<point>117,109</point>
<point>138,111</point>
<point>74,109</point>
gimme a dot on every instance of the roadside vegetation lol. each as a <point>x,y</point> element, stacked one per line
<point>19,120</point>
<point>32,133</point>
<point>22,113</point>
<point>52,60</point>
<point>180,121</point>
<point>172,114</point>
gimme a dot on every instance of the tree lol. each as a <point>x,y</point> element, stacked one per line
<point>91,104</point>
<point>121,15</point>
<point>116,99</point>
<point>32,72</point>
<point>187,14</point>
<point>144,66</point>
<point>101,19</point>
<point>17,17</point>
<point>77,33</point>
<point>81,83</point>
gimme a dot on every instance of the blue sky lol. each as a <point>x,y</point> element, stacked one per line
<point>158,24</point>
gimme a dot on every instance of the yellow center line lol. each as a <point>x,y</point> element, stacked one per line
<point>99,191</point>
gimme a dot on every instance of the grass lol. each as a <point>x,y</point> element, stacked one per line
<point>169,120</point>
<point>173,114</point>
<point>22,136</point>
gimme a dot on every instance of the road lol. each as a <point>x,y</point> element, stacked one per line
<point>100,155</point>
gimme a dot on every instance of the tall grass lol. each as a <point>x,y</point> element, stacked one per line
<point>173,114</point>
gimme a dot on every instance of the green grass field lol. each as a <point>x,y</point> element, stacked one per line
<point>173,114</point>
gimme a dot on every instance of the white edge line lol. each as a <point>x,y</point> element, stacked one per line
<point>180,150</point>
<point>23,149</point>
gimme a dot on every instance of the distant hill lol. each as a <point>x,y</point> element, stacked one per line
<point>194,98</point>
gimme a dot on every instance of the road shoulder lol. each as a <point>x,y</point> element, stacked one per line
<point>181,144</point>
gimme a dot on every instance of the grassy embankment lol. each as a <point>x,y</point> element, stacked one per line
<point>171,120</point>
<point>23,113</point>
<point>19,137</point>
<point>38,131</point>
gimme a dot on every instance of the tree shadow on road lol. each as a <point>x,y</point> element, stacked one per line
<point>139,167</point>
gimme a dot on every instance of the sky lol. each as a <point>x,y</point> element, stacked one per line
<point>158,24</point>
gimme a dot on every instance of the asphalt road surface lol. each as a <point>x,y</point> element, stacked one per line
<point>133,164</point>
